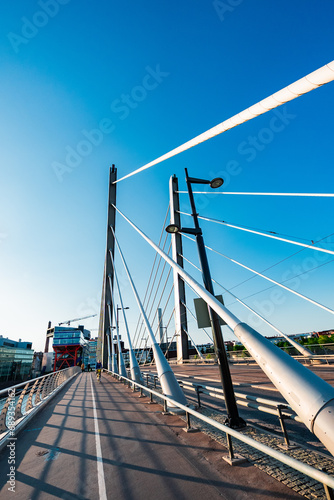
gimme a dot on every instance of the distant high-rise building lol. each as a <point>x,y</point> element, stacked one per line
<point>16,359</point>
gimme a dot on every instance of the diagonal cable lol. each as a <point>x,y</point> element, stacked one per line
<point>268,279</point>
<point>313,80</point>
<point>223,223</point>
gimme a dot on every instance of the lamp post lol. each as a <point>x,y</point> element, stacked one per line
<point>114,366</point>
<point>119,337</point>
<point>233,418</point>
<point>119,309</point>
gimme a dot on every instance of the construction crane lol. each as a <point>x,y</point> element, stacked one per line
<point>76,319</point>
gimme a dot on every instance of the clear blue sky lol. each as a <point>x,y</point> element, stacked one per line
<point>67,68</point>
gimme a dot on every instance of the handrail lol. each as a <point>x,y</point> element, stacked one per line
<point>36,391</point>
<point>315,474</point>
<point>219,394</point>
<point>22,384</point>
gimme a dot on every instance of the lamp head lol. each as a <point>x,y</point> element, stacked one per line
<point>172,228</point>
<point>216,182</point>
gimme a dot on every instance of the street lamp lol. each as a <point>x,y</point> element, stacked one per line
<point>119,309</point>
<point>233,418</point>
<point>112,362</point>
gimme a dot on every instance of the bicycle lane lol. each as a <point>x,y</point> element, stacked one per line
<point>146,455</point>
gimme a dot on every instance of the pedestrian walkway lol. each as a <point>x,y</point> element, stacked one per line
<point>101,441</point>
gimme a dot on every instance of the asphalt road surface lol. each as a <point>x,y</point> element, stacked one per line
<point>250,379</point>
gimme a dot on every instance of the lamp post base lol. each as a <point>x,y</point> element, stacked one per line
<point>235,422</point>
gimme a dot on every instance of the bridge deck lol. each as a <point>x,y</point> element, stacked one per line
<point>95,438</point>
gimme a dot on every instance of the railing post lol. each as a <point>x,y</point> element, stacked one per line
<point>281,418</point>
<point>29,404</point>
<point>18,412</point>
<point>3,416</point>
<point>230,446</point>
<point>45,390</point>
<point>188,421</point>
<point>38,393</point>
<point>198,387</point>
<point>329,492</point>
<point>232,458</point>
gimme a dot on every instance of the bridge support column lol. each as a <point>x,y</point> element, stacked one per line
<point>104,325</point>
<point>180,311</point>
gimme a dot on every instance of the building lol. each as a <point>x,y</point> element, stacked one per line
<point>90,354</point>
<point>70,345</point>
<point>16,359</point>
<point>37,364</point>
<point>329,333</point>
<point>295,336</point>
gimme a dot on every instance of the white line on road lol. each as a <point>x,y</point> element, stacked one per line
<point>100,473</point>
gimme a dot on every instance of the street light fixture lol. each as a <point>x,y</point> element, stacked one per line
<point>172,228</point>
<point>233,418</point>
<point>217,182</point>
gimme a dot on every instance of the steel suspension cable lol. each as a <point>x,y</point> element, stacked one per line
<point>193,315</point>
<point>194,344</point>
<point>134,368</point>
<point>279,262</point>
<point>313,80</point>
<point>157,289</point>
<point>167,301</point>
<point>300,348</point>
<point>284,281</point>
<point>167,325</point>
<point>153,283</point>
<point>155,258</point>
<point>221,310</point>
<point>321,195</point>
<point>223,223</point>
<point>268,279</point>
<point>249,227</point>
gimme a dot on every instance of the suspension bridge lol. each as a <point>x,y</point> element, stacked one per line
<point>152,428</point>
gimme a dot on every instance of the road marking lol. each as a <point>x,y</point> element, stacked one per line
<point>99,459</point>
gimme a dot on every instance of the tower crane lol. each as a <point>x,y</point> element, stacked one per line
<point>76,319</point>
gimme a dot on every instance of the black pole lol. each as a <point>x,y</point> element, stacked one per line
<point>233,418</point>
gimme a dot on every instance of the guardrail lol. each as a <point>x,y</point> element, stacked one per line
<point>20,402</point>
<point>282,411</point>
<point>240,359</point>
<point>316,474</point>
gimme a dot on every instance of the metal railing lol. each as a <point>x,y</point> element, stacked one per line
<point>20,401</point>
<point>320,352</point>
<point>316,474</point>
<point>282,411</point>
<point>323,352</point>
